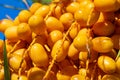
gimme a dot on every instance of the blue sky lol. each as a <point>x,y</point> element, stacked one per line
<point>11,12</point>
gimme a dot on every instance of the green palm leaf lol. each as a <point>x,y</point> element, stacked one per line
<point>118,55</point>
<point>6,66</point>
<point>42,1</point>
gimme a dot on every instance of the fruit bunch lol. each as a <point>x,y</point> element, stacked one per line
<point>64,40</point>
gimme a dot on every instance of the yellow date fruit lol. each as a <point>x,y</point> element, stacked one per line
<point>38,55</point>
<point>106,64</point>
<point>102,44</point>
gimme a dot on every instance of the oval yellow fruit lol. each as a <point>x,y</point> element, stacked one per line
<point>102,44</point>
<point>106,64</point>
<point>38,55</point>
<point>60,50</point>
